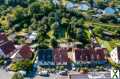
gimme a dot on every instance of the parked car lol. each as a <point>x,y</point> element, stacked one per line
<point>63,73</point>
<point>44,73</point>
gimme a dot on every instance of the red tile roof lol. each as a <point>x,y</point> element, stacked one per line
<point>26,52</point>
<point>7,47</point>
<point>89,54</point>
<point>60,55</point>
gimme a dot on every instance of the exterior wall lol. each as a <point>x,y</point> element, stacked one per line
<point>45,57</point>
<point>99,54</point>
<point>60,56</point>
<point>71,56</point>
<point>84,54</point>
<point>90,54</point>
<point>114,55</point>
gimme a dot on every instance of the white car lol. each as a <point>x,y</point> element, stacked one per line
<point>44,73</point>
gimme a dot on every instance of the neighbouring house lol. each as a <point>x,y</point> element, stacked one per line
<point>109,10</point>
<point>45,57</point>
<point>57,56</point>
<point>115,55</point>
<point>60,56</point>
<point>87,55</point>
<point>6,47</point>
<point>22,53</point>
<point>31,37</point>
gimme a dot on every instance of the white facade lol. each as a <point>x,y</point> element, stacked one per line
<point>114,55</point>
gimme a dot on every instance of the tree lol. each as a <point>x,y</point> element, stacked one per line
<point>54,43</point>
<point>17,76</point>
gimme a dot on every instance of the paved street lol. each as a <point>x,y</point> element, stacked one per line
<point>78,76</point>
<point>52,76</point>
<point>5,75</point>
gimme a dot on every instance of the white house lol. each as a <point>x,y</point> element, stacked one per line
<point>115,55</point>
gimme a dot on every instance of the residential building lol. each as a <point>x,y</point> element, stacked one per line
<point>45,57</point>
<point>60,56</point>
<point>23,53</point>
<point>31,37</point>
<point>115,55</point>
<point>87,55</point>
<point>6,47</point>
<point>71,55</point>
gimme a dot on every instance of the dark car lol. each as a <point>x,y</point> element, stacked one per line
<point>63,73</point>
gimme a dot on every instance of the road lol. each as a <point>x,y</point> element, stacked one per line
<point>52,76</point>
<point>5,75</point>
<point>76,76</point>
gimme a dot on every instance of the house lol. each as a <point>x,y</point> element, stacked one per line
<point>109,10</point>
<point>6,47</point>
<point>87,54</point>
<point>31,37</point>
<point>60,56</point>
<point>45,57</point>
<point>23,53</point>
<point>115,55</point>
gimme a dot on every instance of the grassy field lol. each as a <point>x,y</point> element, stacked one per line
<point>105,44</point>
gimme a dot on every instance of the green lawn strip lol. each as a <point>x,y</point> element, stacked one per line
<point>105,44</point>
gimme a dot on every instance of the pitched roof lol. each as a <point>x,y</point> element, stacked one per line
<point>45,55</point>
<point>90,54</point>
<point>60,55</point>
<point>3,37</point>
<point>7,47</point>
<point>26,52</point>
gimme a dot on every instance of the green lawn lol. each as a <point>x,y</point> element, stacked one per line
<point>105,44</point>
